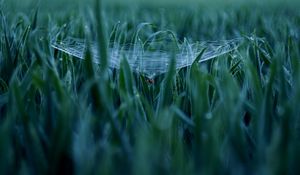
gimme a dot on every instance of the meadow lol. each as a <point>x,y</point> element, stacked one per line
<point>237,113</point>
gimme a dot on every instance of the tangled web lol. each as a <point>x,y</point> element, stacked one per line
<point>150,62</point>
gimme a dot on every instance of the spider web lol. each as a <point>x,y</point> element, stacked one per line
<point>149,63</point>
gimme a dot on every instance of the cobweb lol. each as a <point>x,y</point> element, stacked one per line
<point>149,63</point>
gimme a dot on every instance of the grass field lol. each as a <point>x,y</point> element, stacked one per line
<point>235,114</point>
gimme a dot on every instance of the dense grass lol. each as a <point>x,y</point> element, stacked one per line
<point>236,114</point>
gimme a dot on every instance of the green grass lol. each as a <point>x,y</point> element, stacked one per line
<point>236,114</point>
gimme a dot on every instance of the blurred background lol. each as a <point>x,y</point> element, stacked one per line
<point>61,5</point>
<point>174,15</point>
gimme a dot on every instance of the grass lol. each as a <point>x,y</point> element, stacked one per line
<point>236,114</point>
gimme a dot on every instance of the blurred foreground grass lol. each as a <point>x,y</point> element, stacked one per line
<point>236,114</point>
